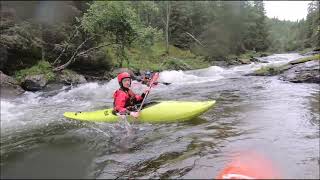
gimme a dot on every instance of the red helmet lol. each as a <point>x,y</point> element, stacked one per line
<point>123,75</point>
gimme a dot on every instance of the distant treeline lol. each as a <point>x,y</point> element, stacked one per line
<point>299,35</point>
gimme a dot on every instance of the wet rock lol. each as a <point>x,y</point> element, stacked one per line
<point>264,55</point>
<point>19,47</point>
<point>176,64</point>
<point>34,82</point>
<point>70,77</point>
<point>53,89</point>
<point>9,86</point>
<point>92,64</point>
<point>91,78</point>
<point>311,53</point>
<point>305,72</point>
<point>244,61</point>
<point>270,70</point>
<point>108,75</point>
<point>263,61</point>
<point>220,63</point>
<point>120,70</point>
<point>254,59</point>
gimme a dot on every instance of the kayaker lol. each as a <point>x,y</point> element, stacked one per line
<point>125,100</point>
<point>146,78</point>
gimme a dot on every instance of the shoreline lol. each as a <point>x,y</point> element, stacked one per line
<point>78,78</point>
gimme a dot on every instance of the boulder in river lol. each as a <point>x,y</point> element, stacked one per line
<point>70,77</point>
<point>313,52</point>
<point>34,82</point>
<point>305,72</point>
<point>9,86</point>
<point>120,70</point>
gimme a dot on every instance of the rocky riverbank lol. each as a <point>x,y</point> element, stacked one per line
<point>12,87</point>
<point>44,79</point>
<point>298,71</point>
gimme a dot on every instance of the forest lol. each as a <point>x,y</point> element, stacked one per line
<point>95,37</point>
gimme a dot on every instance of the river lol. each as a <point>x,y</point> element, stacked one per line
<point>277,118</point>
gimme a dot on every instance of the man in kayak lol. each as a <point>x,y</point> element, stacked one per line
<point>146,78</point>
<point>125,100</point>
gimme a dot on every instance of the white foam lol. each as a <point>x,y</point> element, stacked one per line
<point>9,114</point>
<point>178,77</point>
<point>208,72</point>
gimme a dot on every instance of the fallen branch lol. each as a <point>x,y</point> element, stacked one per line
<point>195,39</point>
<point>72,57</point>
<point>76,54</point>
<point>74,34</point>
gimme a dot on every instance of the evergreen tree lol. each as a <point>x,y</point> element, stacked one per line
<point>261,31</point>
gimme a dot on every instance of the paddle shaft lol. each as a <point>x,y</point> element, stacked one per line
<point>143,100</point>
<point>150,85</point>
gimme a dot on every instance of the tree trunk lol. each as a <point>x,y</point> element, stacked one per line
<point>76,54</point>
<point>42,43</point>
<point>123,55</point>
<point>74,34</point>
<point>167,29</point>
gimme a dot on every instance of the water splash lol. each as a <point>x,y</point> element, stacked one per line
<point>201,76</point>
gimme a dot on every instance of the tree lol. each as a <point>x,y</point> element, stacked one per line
<point>180,23</point>
<point>261,32</point>
<point>116,22</point>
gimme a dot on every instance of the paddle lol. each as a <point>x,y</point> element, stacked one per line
<point>154,79</point>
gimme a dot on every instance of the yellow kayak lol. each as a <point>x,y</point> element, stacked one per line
<point>155,112</point>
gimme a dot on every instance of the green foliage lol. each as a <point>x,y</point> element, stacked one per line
<point>118,22</point>
<point>43,67</point>
<point>148,37</point>
<point>271,70</point>
<point>180,23</point>
<point>302,60</point>
<point>305,50</point>
<point>109,17</point>
<point>155,58</point>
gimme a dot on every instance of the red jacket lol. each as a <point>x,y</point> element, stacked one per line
<point>125,100</point>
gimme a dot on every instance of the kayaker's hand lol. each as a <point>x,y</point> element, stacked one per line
<point>135,114</point>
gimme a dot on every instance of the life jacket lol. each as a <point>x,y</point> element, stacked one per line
<point>125,100</point>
